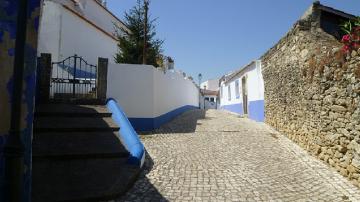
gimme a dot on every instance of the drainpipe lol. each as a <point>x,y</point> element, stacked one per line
<point>14,149</point>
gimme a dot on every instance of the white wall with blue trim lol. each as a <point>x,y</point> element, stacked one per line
<point>148,96</point>
<point>62,32</point>
<point>232,91</point>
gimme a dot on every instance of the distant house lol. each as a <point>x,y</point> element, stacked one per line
<point>242,91</point>
<point>211,84</point>
<point>82,27</point>
<point>210,92</point>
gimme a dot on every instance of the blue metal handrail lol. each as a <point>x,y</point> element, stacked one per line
<point>128,135</point>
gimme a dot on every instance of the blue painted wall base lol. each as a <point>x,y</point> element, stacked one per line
<point>149,124</point>
<point>236,108</point>
<point>256,109</point>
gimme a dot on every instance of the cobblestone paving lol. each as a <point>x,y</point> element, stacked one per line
<point>222,157</point>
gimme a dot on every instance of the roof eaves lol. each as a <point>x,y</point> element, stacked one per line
<point>335,11</point>
<point>233,75</point>
<point>112,14</point>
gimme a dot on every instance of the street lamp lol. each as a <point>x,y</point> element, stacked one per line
<point>199,77</point>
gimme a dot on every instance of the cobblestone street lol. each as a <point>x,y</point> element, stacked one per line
<point>217,156</point>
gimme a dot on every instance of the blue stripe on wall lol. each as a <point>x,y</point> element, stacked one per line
<point>236,108</point>
<point>149,124</point>
<point>256,110</point>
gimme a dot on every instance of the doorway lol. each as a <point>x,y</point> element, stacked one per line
<point>244,95</point>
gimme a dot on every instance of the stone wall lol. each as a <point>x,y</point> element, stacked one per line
<point>312,94</point>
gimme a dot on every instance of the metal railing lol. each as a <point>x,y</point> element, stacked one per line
<point>73,77</point>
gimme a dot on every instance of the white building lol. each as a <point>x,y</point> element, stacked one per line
<point>211,84</point>
<point>82,27</point>
<point>210,92</point>
<point>242,92</point>
<point>148,96</point>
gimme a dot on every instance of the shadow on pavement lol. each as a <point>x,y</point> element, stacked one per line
<point>143,189</point>
<point>184,123</point>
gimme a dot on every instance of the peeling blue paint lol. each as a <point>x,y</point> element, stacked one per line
<point>32,6</point>
<point>1,35</point>
<point>27,137</point>
<point>2,162</point>
<point>36,23</point>
<point>10,7</point>
<point>8,27</point>
<point>9,88</point>
<point>8,15</point>
<point>31,53</point>
<point>11,52</point>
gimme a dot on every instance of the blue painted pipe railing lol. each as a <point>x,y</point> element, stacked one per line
<point>128,136</point>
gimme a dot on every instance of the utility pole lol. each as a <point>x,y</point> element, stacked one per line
<point>146,9</point>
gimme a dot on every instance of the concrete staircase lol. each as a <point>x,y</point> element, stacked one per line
<point>77,155</point>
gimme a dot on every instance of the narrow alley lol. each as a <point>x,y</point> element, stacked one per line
<point>218,156</point>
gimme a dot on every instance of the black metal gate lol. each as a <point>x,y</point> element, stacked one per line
<point>73,78</point>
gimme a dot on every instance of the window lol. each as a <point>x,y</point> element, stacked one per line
<point>237,89</point>
<point>229,93</point>
<point>207,99</point>
<point>212,99</point>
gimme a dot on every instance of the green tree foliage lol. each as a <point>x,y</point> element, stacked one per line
<point>131,40</point>
<point>348,26</point>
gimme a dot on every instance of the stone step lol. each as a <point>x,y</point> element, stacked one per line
<point>81,179</point>
<point>69,110</point>
<point>78,145</point>
<point>74,124</point>
<point>76,101</point>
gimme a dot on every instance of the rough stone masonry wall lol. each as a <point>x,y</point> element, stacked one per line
<point>312,94</point>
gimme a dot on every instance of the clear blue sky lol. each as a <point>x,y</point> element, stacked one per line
<point>214,37</point>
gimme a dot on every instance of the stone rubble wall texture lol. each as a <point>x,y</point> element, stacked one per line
<point>312,94</point>
<point>8,17</point>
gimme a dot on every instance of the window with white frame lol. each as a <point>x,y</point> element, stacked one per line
<point>229,93</point>
<point>237,89</point>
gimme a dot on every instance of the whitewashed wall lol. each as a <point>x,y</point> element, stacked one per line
<point>50,29</point>
<point>171,91</point>
<point>212,84</point>
<point>255,92</point>
<point>99,15</point>
<point>63,34</point>
<point>145,92</point>
<point>255,85</point>
<point>81,38</point>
